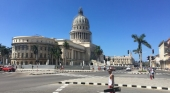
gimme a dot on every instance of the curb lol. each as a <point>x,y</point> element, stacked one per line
<point>148,73</point>
<point>61,71</point>
<point>120,85</point>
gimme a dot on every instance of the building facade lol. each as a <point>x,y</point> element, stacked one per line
<point>156,61</point>
<point>164,54</point>
<point>122,60</point>
<point>81,46</point>
<point>22,53</point>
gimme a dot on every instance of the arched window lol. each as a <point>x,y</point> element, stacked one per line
<point>31,63</point>
<point>26,62</point>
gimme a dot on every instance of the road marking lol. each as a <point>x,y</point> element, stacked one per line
<point>61,88</point>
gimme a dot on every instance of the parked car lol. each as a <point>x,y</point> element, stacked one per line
<point>111,67</point>
<point>1,66</point>
<point>128,69</point>
<point>8,69</point>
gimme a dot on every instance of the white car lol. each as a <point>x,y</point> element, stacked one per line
<point>128,69</point>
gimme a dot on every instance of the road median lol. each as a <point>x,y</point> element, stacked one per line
<point>124,82</point>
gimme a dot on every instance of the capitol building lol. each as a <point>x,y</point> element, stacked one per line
<point>81,46</point>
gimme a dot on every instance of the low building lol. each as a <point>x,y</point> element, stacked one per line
<point>164,54</point>
<point>122,60</point>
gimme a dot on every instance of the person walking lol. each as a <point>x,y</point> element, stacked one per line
<point>153,73</point>
<point>111,79</point>
<point>32,66</point>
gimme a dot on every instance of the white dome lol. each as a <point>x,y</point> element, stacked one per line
<point>80,19</point>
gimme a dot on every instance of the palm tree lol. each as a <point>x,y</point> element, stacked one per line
<point>137,51</point>
<point>66,46</point>
<point>109,58</point>
<point>56,52</point>
<point>98,51</point>
<point>34,48</point>
<point>140,40</point>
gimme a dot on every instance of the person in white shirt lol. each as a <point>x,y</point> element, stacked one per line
<point>111,79</point>
<point>152,72</point>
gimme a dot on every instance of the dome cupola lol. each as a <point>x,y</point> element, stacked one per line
<point>80,28</point>
<point>80,19</point>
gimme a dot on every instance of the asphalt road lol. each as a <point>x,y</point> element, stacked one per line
<point>99,89</point>
<point>22,81</point>
<point>120,73</point>
<point>25,83</point>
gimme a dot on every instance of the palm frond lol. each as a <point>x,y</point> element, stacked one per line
<point>66,45</point>
<point>142,36</point>
<point>135,37</point>
<point>144,42</point>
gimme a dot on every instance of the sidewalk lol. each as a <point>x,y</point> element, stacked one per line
<point>132,81</point>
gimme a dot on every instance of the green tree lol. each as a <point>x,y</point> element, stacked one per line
<point>66,47</point>
<point>5,51</point>
<point>34,48</point>
<point>98,51</point>
<point>140,40</point>
<point>56,52</point>
<point>109,58</point>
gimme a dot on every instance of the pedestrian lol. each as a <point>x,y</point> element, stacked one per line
<point>111,79</point>
<point>82,68</point>
<point>32,66</point>
<point>16,67</point>
<point>152,72</point>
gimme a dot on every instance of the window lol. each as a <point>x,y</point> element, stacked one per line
<point>26,55</point>
<point>22,47</point>
<point>22,55</point>
<point>26,62</point>
<point>80,27</point>
<point>18,47</point>
<point>44,55</point>
<point>83,27</point>
<point>41,55</point>
<point>26,47</point>
<point>27,40</point>
<point>77,27</point>
<point>31,55</point>
<point>18,55</point>
<point>15,47</point>
<point>31,62</point>
<point>86,27</point>
<point>40,48</point>
<point>45,48</point>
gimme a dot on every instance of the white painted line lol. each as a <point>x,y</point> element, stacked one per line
<point>149,87</point>
<point>62,87</point>
<point>66,84</point>
<point>55,92</point>
<point>59,89</point>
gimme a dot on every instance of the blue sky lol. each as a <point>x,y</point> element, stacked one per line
<point>112,22</point>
